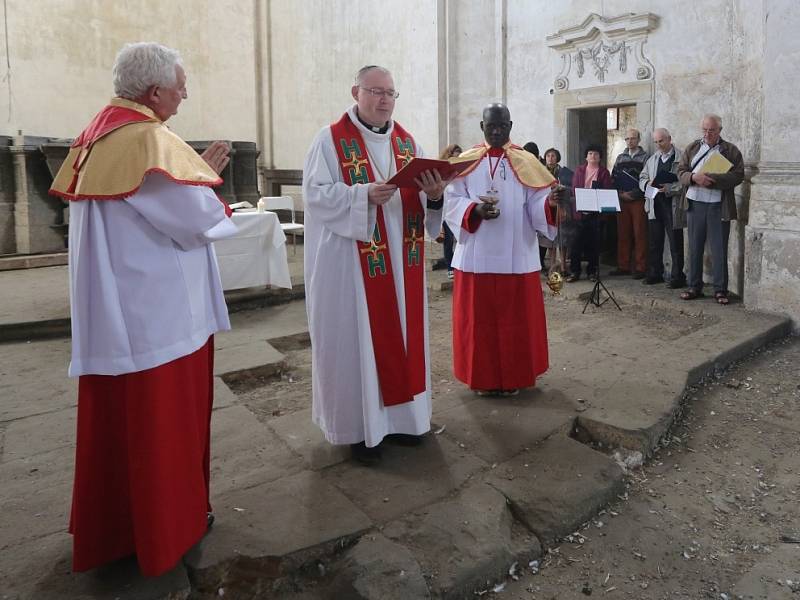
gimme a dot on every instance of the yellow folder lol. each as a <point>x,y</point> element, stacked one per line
<point>716,163</point>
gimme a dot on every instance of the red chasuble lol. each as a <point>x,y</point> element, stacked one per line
<point>400,363</point>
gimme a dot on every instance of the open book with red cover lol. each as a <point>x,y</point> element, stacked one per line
<point>447,169</point>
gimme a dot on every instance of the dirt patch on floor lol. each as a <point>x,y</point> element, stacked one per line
<point>291,391</point>
<point>712,515</point>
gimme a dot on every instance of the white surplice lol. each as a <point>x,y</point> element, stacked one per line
<point>507,244</point>
<point>347,403</point>
<point>144,284</point>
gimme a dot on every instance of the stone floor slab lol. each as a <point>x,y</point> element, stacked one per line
<point>299,432</point>
<point>223,396</point>
<point>377,568</point>
<point>558,485</point>
<point>29,436</point>
<point>276,519</point>
<point>252,359</point>
<point>245,452</point>
<point>408,478</point>
<point>462,542</point>
<point>36,496</point>
<point>33,379</point>
<point>495,429</point>
<point>42,572</point>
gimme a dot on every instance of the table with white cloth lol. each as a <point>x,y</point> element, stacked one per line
<point>256,255</point>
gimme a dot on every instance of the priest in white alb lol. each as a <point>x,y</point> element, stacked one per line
<point>146,300</point>
<point>365,274</point>
<point>495,210</point>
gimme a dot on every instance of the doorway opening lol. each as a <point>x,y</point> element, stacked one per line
<point>602,126</point>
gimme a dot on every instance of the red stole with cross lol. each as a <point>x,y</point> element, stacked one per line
<point>400,363</point>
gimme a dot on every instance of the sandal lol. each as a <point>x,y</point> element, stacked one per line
<point>721,298</point>
<point>691,294</point>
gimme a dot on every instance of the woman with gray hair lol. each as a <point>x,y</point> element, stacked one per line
<point>146,301</point>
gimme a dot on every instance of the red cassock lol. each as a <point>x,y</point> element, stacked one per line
<point>499,330</point>
<point>142,464</point>
<point>499,326</point>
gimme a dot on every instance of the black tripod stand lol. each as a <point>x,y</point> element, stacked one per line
<point>594,296</point>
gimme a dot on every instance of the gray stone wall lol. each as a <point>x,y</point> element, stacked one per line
<point>7,240</point>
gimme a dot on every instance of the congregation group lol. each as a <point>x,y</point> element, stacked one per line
<point>660,195</point>
<point>146,298</point>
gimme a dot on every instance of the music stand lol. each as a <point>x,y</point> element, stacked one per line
<point>594,296</point>
<point>592,202</point>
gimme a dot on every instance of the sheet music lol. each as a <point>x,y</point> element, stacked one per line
<point>607,200</point>
<point>587,200</point>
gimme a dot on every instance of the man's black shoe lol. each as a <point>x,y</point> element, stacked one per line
<point>653,280</point>
<point>618,273</point>
<point>439,265</point>
<point>404,439</point>
<point>209,520</point>
<point>366,456</point>
<point>637,275</point>
<point>676,284</point>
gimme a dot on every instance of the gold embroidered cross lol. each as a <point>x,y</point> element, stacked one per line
<point>406,156</point>
<point>373,249</point>
<point>355,163</point>
<point>414,239</point>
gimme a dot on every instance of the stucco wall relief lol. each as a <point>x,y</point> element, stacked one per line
<point>598,50</point>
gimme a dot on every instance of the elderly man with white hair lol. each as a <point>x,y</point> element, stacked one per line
<point>146,300</point>
<point>710,206</point>
<point>660,171</point>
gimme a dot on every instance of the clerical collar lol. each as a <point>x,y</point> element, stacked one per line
<point>372,128</point>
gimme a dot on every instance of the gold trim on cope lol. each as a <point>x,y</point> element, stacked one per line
<point>527,168</point>
<point>115,165</point>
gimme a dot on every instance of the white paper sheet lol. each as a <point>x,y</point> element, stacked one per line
<point>588,200</point>
<point>651,192</point>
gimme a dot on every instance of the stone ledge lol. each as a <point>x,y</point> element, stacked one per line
<point>33,261</point>
<point>557,486</point>
<point>463,542</point>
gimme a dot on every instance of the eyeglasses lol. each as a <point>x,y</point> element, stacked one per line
<point>393,94</point>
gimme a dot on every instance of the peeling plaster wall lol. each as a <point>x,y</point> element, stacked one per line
<point>473,68</point>
<point>773,231</point>
<point>317,47</point>
<point>698,69</point>
<point>61,55</point>
<point>737,64</point>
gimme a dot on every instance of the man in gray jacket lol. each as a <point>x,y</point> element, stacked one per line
<point>660,171</point>
<point>710,206</point>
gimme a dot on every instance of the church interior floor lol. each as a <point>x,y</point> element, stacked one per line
<point>497,481</point>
